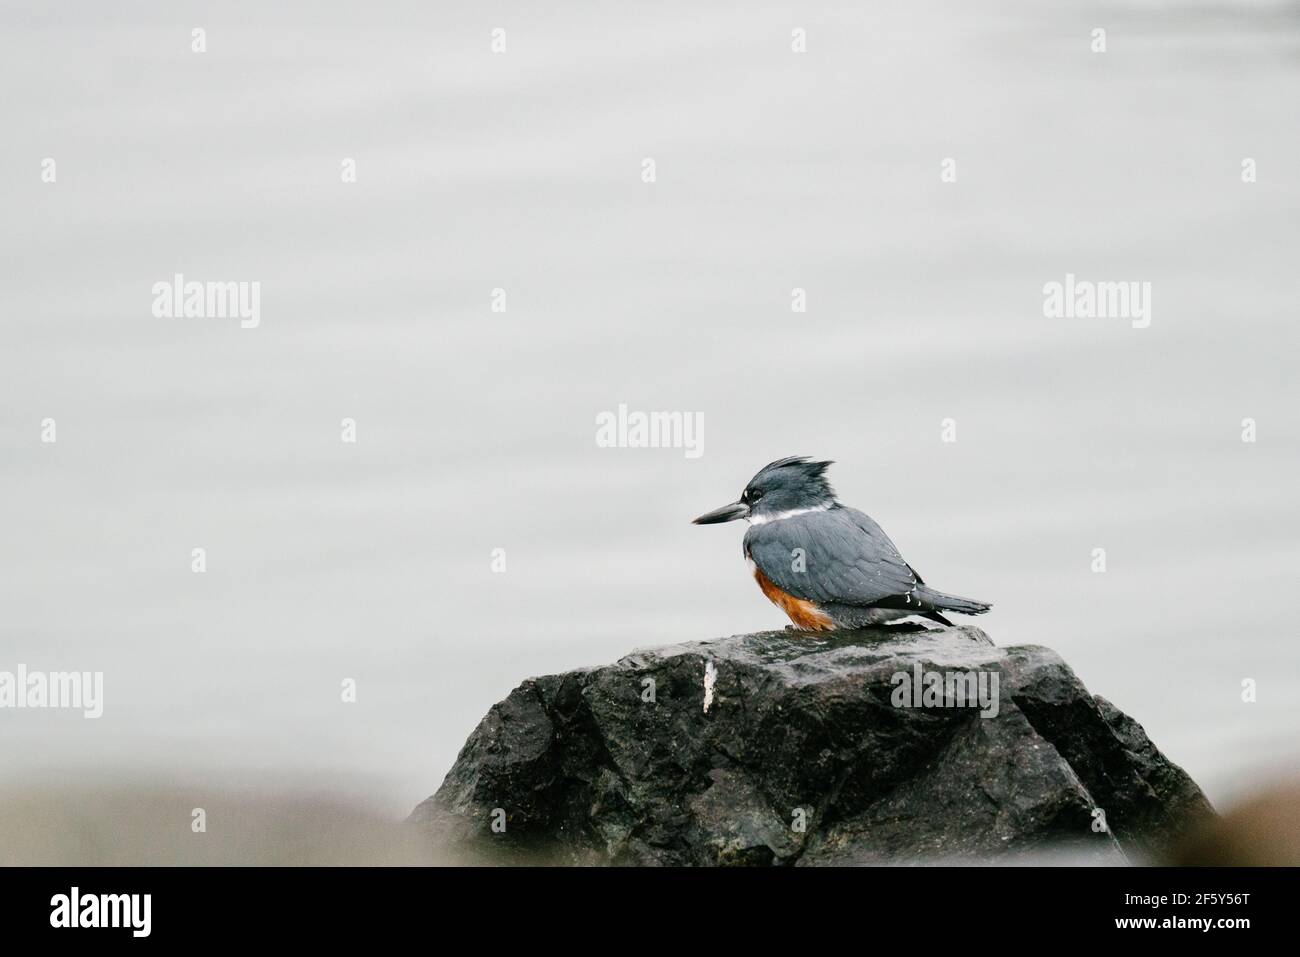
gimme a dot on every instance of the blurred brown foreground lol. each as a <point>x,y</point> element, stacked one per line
<point>133,826</point>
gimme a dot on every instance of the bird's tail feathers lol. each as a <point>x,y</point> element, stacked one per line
<point>966,606</point>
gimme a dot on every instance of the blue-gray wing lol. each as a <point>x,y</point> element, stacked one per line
<point>836,555</point>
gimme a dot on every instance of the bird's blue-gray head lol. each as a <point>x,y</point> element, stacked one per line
<point>791,484</point>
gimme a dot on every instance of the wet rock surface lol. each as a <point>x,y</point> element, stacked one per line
<point>887,745</point>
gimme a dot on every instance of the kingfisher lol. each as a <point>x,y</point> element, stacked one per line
<point>827,566</point>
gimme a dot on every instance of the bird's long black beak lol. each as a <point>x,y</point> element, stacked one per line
<point>728,513</point>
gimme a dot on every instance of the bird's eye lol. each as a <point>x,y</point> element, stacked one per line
<point>755,495</point>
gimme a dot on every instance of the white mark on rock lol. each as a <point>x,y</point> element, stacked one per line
<point>710,679</point>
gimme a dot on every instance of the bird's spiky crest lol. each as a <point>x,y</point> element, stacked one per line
<point>812,472</point>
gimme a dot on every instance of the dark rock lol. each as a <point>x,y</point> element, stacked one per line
<point>809,754</point>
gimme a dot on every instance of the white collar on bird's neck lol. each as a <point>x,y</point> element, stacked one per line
<point>781,516</point>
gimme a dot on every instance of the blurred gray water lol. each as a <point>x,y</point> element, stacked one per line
<point>476,429</point>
